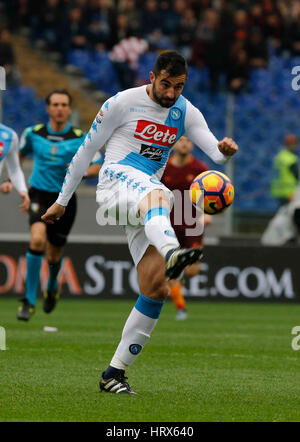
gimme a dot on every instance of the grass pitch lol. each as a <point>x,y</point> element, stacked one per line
<point>227,362</point>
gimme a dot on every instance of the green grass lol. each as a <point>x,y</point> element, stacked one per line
<point>227,362</point>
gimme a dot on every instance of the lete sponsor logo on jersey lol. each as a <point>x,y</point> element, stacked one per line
<point>156,133</point>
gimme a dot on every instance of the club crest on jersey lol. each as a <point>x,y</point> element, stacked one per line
<point>156,133</point>
<point>54,149</point>
<point>99,116</point>
<point>175,113</point>
<point>1,148</point>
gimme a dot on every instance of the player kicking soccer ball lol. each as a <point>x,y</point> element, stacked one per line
<point>139,127</point>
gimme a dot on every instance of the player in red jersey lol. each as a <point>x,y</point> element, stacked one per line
<point>180,171</point>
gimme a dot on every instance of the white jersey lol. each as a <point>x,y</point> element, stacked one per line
<point>9,154</point>
<point>139,133</point>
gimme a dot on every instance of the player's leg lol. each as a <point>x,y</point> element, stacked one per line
<point>154,208</point>
<point>57,235</point>
<point>141,321</point>
<point>175,285</point>
<point>34,258</point>
<point>151,246</point>
<point>178,298</point>
<point>176,291</point>
<point>54,257</point>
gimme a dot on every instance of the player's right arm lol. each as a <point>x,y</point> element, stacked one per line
<point>16,174</point>
<point>25,148</point>
<point>105,123</point>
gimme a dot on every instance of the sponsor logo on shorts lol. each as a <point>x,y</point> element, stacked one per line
<point>156,133</point>
<point>170,233</point>
<point>34,207</point>
<point>1,148</point>
<point>151,152</point>
<point>135,349</point>
<point>175,113</point>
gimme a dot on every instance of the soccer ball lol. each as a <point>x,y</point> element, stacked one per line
<point>211,191</point>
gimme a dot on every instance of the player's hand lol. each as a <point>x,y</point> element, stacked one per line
<point>24,207</point>
<point>54,213</point>
<point>228,147</point>
<point>6,187</point>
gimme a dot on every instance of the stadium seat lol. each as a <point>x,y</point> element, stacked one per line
<point>261,118</point>
<point>21,108</point>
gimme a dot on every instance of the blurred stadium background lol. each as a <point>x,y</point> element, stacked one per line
<point>241,54</point>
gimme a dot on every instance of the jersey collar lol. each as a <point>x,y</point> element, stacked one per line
<point>62,132</point>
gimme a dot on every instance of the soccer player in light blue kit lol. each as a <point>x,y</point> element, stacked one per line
<point>53,146</point>
<point>9,156</point>
<point>139,127</point>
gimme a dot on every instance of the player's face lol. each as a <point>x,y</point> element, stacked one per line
<point>183,146</point>
<point>59,108</point>
<point>166,89</point>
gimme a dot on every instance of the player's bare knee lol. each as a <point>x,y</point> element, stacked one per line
<point>53,258</point>
<point>38,243</point>
<point>154,199</point>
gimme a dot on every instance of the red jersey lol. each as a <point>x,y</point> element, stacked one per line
<point>180,178</point>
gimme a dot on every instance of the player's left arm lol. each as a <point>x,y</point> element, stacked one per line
<point>197,130</point>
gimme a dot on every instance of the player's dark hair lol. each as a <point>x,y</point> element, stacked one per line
<point>61,92</point>
<point>171,62</point>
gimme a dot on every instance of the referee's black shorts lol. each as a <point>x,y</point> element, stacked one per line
<point>41,200</point>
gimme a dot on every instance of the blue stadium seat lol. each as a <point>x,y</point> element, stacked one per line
<point>262,118</point>
<point>146,63</point>
<point>21,108</point>
<point>79,58</point>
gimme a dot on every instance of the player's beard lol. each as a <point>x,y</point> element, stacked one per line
<point>164,102</point>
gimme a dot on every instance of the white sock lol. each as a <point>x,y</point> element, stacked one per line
<point>137,331</point>
<point>159,230</point>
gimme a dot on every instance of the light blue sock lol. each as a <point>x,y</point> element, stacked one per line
<point>34,263</point>
<point>54,270</point>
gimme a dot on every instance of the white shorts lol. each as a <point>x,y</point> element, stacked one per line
<point>119,192</point>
